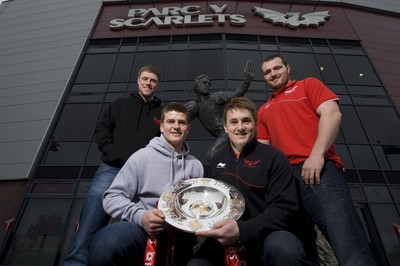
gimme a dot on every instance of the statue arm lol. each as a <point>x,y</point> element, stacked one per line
<point>248,78</point>
<point>193,109</point>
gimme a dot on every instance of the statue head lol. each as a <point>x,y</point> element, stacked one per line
<point>202,85</point>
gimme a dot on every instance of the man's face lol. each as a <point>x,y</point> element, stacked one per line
<point>276,74</point>
<point>147,85</point>
<point>240,127</point>
<point>175,128</point>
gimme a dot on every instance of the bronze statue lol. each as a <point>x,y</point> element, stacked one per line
<point>208,107</point>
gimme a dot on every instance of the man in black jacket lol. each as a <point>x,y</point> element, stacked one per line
<point>128,125</point>
<point>263,175</point>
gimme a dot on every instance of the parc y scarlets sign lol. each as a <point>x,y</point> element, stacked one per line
<point>193,15</point>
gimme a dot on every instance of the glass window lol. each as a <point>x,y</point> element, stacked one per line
<point>344,155</point>
<point>346,47</point>
<point>88,172</point>
<point>158,43</point>
<point>197,131</point>
<point>356,193</point>
<point>72,226</point>
<point>320,46</point>
<point>94,155</point>
<point>39,233</point>
<point>381,124</point>
<point>363,157</point>
<point>212,64</point>
<point>118,87</point>
<point>385,215</point>
<point>158,59</point>
<point>351,176</point>
<point>381,157</point>
<point>294,44</point>
<point>65,153</point>
<point>88,88</point>
<point>175,86</point>
<point>367,90</point>
<point>129,45</point>
<point>344,99</point>
<point>205,42</point>
<point>268,43</point>
<point>96,68</point>
<point>396,193</point>
<point>175,95</point>
<point>85,98</point>
<point>177,65</point>
<point>338,89</point>
<point>329,70</point>
<point>56,189</point>
<point>248,42</point>
<point>351,126</point>
<point>372,177</point>
<point>302,66</point>
<point>236,60</point>
<point>199,148</point>
<point>57,172</point>
<point>77,122</point>
<point>179,42</point>
<point>357,70</point>
<point>393,177</point>
<point>103,46</point>
<point>123,68</point>
<point>377,193</point>
<point>370,100</point>
<point>392,154</point>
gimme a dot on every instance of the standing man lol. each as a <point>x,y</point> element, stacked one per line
<point>133,196</point>
<point>263,175</point>
<point>302,119</point>
<point>127,126</point>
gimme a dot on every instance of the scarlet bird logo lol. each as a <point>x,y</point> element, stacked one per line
<point>251,164</point>
<point>155,119</point>
<point>292,19</point>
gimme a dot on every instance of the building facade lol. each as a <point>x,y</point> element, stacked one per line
<point>63,62</point>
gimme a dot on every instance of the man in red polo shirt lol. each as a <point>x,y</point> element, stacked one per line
<point>302,119</point>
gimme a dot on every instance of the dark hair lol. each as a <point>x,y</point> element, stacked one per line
<point>240,103</point>
<point>150,69</point>
<point>272,57</point>
<point>175,106</point>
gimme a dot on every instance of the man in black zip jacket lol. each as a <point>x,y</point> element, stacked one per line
<point>126,126</point>
<point>263,175</point>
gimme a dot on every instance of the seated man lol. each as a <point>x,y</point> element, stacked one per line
<point>263,175</point>
<point>133,195</point>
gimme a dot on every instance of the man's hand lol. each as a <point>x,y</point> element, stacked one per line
<point>249,70</point>
<point>311,171</point>
<point>153,222</point>
<point>225,232</point>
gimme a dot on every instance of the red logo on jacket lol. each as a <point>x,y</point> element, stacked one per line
<point>251,164</point>
<point>158,121</point>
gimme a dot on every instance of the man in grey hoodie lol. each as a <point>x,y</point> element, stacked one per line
<point>133,195</point>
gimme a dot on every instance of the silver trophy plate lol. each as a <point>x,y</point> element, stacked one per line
<point>197,204</point>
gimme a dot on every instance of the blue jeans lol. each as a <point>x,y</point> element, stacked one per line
<point>331,207</point>
<point>120,243</point>
<point>124,243</point>
<point>284,248</point>
<point>278,248</point>
<point>92,217</point>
